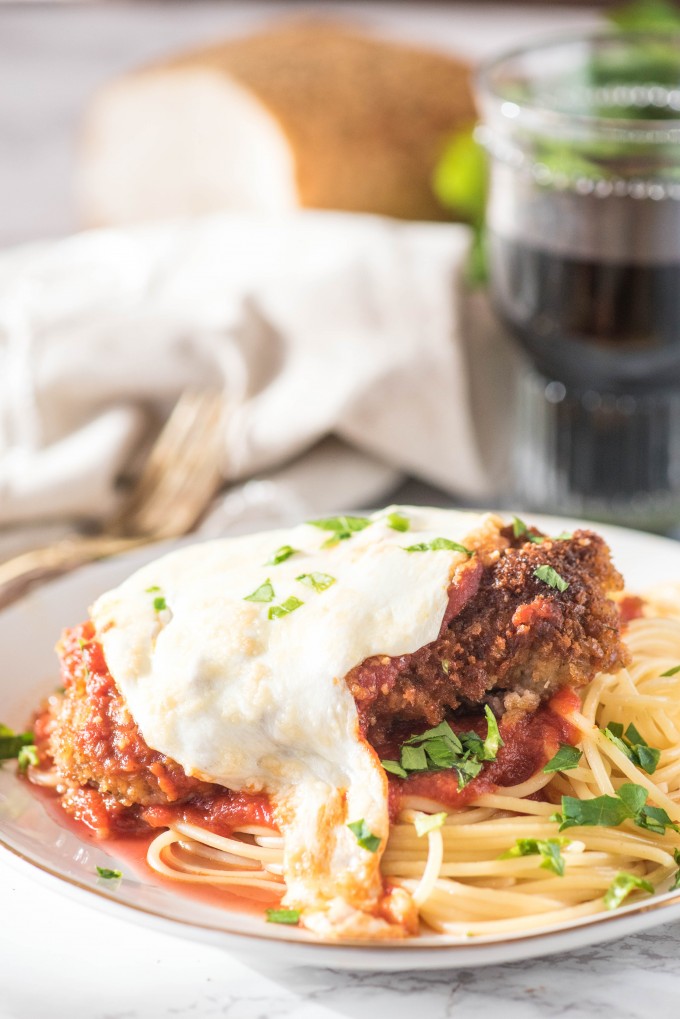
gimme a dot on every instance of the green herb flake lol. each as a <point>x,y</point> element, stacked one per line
<point>319,581</point>
<point>550,577</point>
<point>634,746</point>
<point>11,743</point>
<point>159,604</point>
<point>364,836</point>
<point>342,527</point>
<point>536,539</point>
<point>28,755</point>
<point>398,522</point>
<point>566,758</point>
<point>438,545</point>
<point>154,587</point>
<point>109,875</point>
<point>519,528</point>
<point>621,887</point>
<point>394,768</point>
<point>549,849</point>
<point>612,811</point>
<point>285,608</point>
<point>263,593</point>
<point>670,672</point>
<point>441,749</point>
<point>289,916</point>
<point>281,554</point>
<point>564,536</point>
<point>425,823</point>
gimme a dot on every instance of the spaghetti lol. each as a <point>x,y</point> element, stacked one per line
<point>480,870</point>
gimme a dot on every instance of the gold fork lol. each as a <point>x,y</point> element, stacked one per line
<point>180,477</point>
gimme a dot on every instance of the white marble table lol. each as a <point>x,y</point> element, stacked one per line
<point>59,960</point>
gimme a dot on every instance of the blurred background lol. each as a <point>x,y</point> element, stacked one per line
<point>415,251</point>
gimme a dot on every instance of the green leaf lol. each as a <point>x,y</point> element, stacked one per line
<point>550,577</point>
<point>655,819</point>
<point>363,835</point>
<point>11,742</point>
<point>549,849</point>
<point>621,887</point>
<point>671,672</point>
<point>437,545</point>
<point>566,758</point>
<point>149,590</point>
<point>635,748</point>
<point>425,823</point>
<point>281,554</point>
<point>285,608</point>
<point>159,604</point>
<point>263,593</point>
<point>519,528</point>
<point>394,768</point>
<point>398,522</point>
<point>28,755</point>
<point>289,916</point>
<point>342,527</point>
<point>605,811</point>
<point>676,880</point>
<point>319,581</point>
<point>414,759</point>
<point>109,875</point>
<point>493,741</point>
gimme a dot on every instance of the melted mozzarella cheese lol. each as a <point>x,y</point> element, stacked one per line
<point>258,703</point>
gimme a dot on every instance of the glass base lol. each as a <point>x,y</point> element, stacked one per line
<point>586,453</point>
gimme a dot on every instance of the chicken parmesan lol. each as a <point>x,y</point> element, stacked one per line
<point>280,704</point>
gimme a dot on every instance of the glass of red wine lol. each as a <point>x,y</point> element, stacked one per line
<point>583,243</point>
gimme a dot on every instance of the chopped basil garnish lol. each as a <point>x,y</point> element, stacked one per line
<point>536,539</point>
<point>621,887</point>
<point>549,849</point>
<point>564,536</point>
<point>519,528</point>
<point>550,577</point>
<point>342,527</point>
<point>12,742</point>
<point>611,811</point>
<point>671,672</point>
<point>28,755</point>
<point>263,593</point>
<point>632,744</point>
<point>364,836</point>
<point>441,749</point>
<point>285,608</point>
<point>398,522</point>
<point>437,545</point>
<point>425,823</point>
<point>566,758</point>
<point>319,581</point>
<point>281,554</point>
<point>109,875</point>
<point>291,916</point>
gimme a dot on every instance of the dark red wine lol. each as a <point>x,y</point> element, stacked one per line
<point>595,321</point>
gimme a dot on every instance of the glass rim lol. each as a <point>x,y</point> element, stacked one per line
<point>487,92</point>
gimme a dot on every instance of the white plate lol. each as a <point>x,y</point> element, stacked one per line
<point>34,842</point>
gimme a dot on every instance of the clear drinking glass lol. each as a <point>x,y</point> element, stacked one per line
<point>584,254</point>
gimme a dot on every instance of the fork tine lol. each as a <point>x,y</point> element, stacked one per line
<point>177,491</point>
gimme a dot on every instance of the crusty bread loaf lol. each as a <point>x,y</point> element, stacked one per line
<point>306,114</point>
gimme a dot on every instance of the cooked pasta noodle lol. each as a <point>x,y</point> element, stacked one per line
<point>458,874</point>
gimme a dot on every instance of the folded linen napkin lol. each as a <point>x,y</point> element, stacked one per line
<point>314,324</point>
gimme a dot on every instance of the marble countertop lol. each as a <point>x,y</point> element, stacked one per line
<point>61,960</point>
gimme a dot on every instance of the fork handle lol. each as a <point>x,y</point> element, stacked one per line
<point>20,574</point>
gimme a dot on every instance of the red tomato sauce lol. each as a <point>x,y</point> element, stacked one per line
<point>529,742</point>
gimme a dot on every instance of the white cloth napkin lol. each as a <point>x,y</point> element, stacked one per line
<point>314,324</point>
